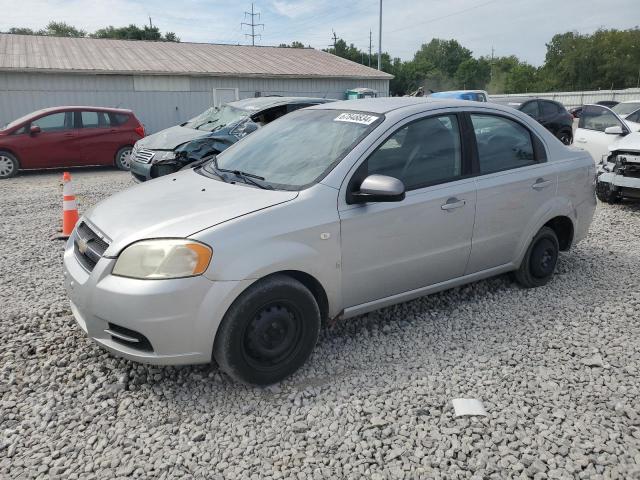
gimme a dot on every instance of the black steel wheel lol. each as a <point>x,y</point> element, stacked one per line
<point>268,332</point>
<point>539,262</point>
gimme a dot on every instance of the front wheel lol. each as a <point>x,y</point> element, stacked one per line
<point>9,165</point>
<point>123,158</point>
<point>539,263</point>
<point>606,193</point>
<point>268,332</point>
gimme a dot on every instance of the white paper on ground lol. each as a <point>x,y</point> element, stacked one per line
<point>468,406</point>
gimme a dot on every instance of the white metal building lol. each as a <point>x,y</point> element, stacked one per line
<point>164,83</point>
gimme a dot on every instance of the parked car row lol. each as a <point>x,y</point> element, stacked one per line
<point>69,137</point>
<point>330,211</point>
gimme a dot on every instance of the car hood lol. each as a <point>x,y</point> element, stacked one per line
<point>170,138</point>
<point>176,206</point>
<point>629,142</point>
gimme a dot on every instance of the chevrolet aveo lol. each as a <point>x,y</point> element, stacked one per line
<point>331,211</point>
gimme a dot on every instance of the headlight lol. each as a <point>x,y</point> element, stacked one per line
<point>163,258</point>
<point>162,155</point>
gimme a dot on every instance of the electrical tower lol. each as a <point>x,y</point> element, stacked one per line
<point>253,25</point>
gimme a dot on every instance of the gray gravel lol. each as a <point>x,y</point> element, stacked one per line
<point>556,368</point>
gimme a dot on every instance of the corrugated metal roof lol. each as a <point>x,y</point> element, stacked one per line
<point>90,55</point>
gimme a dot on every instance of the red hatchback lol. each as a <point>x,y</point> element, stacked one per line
<point>69,137</point>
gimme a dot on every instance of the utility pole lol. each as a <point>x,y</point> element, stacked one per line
<point>491,74</point>
<point>380,39</point>
<point>369,48</point>
<point>150,24</point>
<point>253,25</point>
<point>335,40</point>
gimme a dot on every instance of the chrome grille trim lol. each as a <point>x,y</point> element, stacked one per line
<point>88,246</point>
<point>143,155</point>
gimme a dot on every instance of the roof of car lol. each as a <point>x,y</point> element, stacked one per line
<point>78,107</point>
<point>264,102</point>
<point>387,104</point>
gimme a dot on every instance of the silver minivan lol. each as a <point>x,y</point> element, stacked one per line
<point>331,211</point>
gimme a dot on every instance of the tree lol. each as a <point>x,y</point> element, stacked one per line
<point>293,45</point>
<point>62,29</point>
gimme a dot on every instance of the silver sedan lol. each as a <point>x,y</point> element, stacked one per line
<point>331,211</point>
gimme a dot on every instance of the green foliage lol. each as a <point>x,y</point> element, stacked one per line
<point>293,45</point>
<point>603,60</point>
<point>132,32</point>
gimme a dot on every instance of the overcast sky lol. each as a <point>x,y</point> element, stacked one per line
<point>519,27</point>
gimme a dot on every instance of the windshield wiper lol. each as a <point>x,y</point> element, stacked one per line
<point>245,176</point>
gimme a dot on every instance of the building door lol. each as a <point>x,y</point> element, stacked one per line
<point>224,95</point>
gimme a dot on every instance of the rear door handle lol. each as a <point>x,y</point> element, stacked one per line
<point>541,183</point>
<point>581,140</point>
<point>69,135</point>
<point>453,203</point>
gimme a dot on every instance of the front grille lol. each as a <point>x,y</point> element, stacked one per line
<point>129,338</point>
<point>143,155</point>
<point>88,246</point>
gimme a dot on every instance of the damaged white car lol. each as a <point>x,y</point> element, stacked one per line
<point>619,172</point>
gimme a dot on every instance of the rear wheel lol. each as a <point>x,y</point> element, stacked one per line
<point>606,192</point>
<point>565,137</point>
<point>9,165</point>
<point>539,263</point>
<point>123,158</point>
<point>268,332</point>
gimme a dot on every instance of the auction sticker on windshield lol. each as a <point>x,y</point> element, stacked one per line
<point>362,118</point>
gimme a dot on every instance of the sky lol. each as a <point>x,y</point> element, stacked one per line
<point>509,27</point>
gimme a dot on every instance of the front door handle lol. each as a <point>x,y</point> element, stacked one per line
<point>581,140</point>
<point>68,134</point>
<point>541,183</point>
<point>452,204</point>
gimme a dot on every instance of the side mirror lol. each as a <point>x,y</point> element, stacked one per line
<point>615,130</point>
<point>379,188</point>
<point>34,130</point>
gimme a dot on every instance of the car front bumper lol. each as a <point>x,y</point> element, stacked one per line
<point>178,317</point>
<point>140,171</point>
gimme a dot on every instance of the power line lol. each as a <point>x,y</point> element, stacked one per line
<point>253,25</point>
<point>442,17</point>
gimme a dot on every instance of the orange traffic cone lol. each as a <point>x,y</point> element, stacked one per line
<point>69,207</point>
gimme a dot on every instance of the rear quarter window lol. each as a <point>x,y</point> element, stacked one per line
<point>118,118</point>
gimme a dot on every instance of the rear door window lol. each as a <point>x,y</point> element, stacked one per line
<point>548,109</point>
<point>502,143</point>
<point>90,119</point>
<point>55,122</point>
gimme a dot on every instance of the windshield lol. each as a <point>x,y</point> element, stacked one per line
<point>299,148</point>
<point>626,108</point>
<point>216,118</point>
<point>18,121</point>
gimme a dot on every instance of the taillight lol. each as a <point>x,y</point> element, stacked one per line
<point>139,130</point>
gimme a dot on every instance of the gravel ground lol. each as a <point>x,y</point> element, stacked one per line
<point>556,368</point>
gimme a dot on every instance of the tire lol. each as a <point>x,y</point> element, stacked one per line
<point>565,137</point>
<point>268,332</point>
<point>605,193</point>
<point>122,158</point>
<point>9,165</point>
<point>539,263</point>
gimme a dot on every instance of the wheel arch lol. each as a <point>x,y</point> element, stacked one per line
<point>564,230</point>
